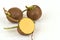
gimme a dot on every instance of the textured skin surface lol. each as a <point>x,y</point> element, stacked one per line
<point>35,13</point>
<point>12,20</point>
<point>15,14</point>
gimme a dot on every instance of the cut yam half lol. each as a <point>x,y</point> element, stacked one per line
<point>26,26</point>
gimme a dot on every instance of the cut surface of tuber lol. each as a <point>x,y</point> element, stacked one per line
<point>26,26</point>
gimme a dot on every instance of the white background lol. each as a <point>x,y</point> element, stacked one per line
<point>46,28</point>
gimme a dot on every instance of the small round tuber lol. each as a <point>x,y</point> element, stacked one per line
<point>13,14</point>
<point>26,26</point>
<point>34,12</point>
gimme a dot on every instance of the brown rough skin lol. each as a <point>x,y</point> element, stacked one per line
<point>35,13</point>
<point>16,14</point>
<point>11,19</point>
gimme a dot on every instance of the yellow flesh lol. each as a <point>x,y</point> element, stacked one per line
<point>26,25</point>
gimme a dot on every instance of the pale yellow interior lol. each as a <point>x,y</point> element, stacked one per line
<point>26,25</point>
